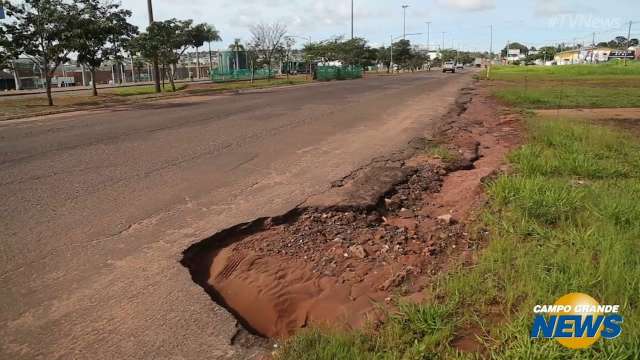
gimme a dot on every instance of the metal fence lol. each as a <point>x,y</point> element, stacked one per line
<point>218,75</point>
<point>327,73</point>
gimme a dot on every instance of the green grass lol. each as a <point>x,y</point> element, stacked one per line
<point>144,90</point>
<point>569,86</point>
<point>567,72</point>
<point>442,152</point>
<point>563,96</point>
<point>566,220</point>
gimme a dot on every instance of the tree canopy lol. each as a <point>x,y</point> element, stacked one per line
<point>105,32</point>
<point>168,40</point>
<point>267,41</point>
<point>44,31</point>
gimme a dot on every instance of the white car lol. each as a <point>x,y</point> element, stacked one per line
<point>449,66</point>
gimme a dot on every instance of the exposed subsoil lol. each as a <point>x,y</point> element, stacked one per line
<point>379,234</point>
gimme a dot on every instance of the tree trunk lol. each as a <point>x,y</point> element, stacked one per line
<point>197,63</point>
<point>171,75</point>
<point>269,69</point>
<point>164,74</point>
<point>47,80</point>
<point>94,88</point>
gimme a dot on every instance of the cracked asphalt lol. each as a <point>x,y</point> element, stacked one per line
<point>96,207</point>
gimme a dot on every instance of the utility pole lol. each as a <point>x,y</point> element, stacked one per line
<point>156,69</point>
<point>443,39</point>
<point>490,52</point>
<point>351,19</point>
<point>428,35</point>
<point>391,60</point>
<point>628,43</point>
<point>404,21</point>
<point>593,41</point>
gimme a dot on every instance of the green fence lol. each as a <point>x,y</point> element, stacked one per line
<point>235,75</point>
<point>326,73</point>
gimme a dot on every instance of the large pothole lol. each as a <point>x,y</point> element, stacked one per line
<point>371,238</point>
<point>333,261</point>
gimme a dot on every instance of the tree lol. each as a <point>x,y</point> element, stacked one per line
<point>236,47</point>
<point>286,51</point>
<point>447,55</point>
<point>44,31</point>
<point>383,56</point>
<point>138,66</point>
<point>267,40</point>
<point>516,45</point>
<point>354,51</point>
<point>200,34</point>
<point>545,53</point>
<point>211,35</point>
<point>252,59</point>
<point>5,50</point>
<point>8,53</point>
<point>402,53</point>
<point>105,31</point>
<point>168,40</point>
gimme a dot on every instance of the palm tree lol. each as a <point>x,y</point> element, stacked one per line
<point>211,34</point>
<point>236,47</point>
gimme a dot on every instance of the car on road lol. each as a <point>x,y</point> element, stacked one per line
<point>460,66</point>
<point>449,66</point>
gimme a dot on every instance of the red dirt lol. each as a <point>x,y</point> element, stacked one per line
<point>376,235</point>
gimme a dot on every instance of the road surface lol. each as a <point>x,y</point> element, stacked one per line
<point>96,207</point>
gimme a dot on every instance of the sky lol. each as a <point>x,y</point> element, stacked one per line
<point>466,23</point>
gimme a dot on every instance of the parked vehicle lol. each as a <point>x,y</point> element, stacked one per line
<point>449,66</point>
<point>460,66</point>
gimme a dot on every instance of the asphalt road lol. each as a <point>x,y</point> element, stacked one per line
<point>96,207</point>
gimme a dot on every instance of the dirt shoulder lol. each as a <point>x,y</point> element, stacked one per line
<point>380,235</point>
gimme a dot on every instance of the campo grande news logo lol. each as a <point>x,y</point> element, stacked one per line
<point>577,321</point>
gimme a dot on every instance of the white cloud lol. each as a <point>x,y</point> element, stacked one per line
<point>550,8</point>
<point>469,5</point>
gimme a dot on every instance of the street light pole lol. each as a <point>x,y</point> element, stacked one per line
<point>391,61</point>
<point>490,52</point>
<point>443,39</point>
<point>351,19</point>
<point>428,35</point>
<point>404,21</point>
<point>156,68</point>
<point>628,43</point>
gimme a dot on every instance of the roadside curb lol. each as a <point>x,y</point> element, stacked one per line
<point>156,98</point>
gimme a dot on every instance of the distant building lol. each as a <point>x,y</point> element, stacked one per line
<point>515,55</point>
<point>585,55</point>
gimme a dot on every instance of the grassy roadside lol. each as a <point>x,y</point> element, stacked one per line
<point>566,219</point>
<point>257,84</point>
<point>570,86</point>
<point>144,90</point>
<point>23,106</point>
